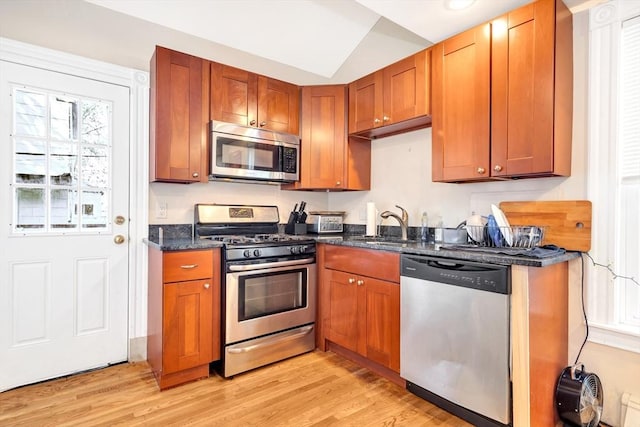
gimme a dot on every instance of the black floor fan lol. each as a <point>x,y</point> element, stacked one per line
<point>579,397</point>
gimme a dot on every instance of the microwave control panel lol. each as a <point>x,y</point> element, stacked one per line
<point>289,160</point>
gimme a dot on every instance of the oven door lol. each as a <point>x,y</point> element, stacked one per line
<point>247,157</point>
<point>267,300</point>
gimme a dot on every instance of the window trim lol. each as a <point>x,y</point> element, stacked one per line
<point>605,25</point>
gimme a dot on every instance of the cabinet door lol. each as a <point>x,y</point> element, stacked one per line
<point>323,138</point>
<point>522,141</point>
<point>188,334</point>
<point>379,338</point>
<point>178,134</point>
<point>365,103</point>
<point>343,309</point>
<point>405,89</point>
<point>234,95</point>
<point>278,105</point>
<point>461,120</point>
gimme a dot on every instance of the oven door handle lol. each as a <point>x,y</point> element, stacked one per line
<point>288,337</point>
<point>271,264</point>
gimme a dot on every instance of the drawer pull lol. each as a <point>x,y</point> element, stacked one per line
<point>189,266</point>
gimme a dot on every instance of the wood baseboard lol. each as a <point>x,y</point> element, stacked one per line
<point>166,381</point>
<point>383,371</point>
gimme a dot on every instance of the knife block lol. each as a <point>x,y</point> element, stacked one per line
<point>295,228</point>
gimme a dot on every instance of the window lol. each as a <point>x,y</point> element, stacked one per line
<point>614,173</point>
<point>61,162</point>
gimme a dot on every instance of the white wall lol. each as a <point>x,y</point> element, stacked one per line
<point>180,198</point>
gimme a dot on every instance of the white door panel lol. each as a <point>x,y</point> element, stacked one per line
<point>64,282</point>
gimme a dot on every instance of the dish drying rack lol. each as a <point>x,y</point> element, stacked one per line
<point>529,236</point>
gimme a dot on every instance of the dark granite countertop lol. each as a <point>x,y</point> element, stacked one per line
<point>417,248</point>
<point>447,251</point>
<point>181,243</point>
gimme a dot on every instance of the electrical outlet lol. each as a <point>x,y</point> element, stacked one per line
<point>161,209</point>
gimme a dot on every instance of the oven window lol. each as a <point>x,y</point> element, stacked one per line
<point>270,293</point>
<point>236,153</point>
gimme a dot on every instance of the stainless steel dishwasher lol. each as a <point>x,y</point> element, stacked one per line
<point>454,336</point>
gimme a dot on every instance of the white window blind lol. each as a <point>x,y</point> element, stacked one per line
<point>628,182</point>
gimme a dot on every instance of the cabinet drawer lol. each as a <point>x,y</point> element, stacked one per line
<point>365,262</point>
<point>187,265</point>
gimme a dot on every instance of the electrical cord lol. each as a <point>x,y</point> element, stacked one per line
<point>584,311</point>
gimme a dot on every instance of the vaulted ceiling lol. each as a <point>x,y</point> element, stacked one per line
<point>316,36</point>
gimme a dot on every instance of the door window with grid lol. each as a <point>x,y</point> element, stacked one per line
<point>61,163</point>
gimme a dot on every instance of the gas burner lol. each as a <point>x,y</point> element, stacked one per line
<point>258,238</point>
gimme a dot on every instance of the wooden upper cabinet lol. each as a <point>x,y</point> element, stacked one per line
<point>328,160</point>
<point>234,95</point>
<point>365,103</point>
<point>531,100</point>
<point>178,117</point>
<point>503,97</point>
<point>392,100</point>
<point>248,99</point>
<point>278,105</point>
<point>461,106</point>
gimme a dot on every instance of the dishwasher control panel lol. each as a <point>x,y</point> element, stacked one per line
<point>469,274</point>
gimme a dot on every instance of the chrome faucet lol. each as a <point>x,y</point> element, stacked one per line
<point>404,221</point>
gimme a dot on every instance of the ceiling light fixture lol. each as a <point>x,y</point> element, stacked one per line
<point>458,4</point>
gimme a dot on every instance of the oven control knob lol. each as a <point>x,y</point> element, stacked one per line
<point>303,249</point>
<point>247,253</point>
<point>257,252</point>
<point>295,249</point>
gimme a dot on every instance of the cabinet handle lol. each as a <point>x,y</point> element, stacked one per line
<point>189,266</point>
<point>196,174</point>
<point>351,280</point>
<point>263,124</point>
<point>497,168</point>
<point>376,121</point>
<point>480,170</point>
<point>337,183</point>
<point>360,282</point>
<point>207,286</point>
<point>385,118</point>
<point>252,122</point>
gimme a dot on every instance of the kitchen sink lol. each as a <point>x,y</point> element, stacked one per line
<point>388,241</point>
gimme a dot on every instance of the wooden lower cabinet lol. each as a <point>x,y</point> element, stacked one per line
<point>183,314</point>
<point>364,316</point>
<point>360,305</point>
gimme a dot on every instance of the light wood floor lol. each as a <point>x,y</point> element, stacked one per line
<point>314,389</point>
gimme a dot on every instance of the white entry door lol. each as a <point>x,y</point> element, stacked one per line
<point>64,220</point>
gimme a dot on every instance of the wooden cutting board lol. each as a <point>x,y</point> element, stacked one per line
<point>567,223</point>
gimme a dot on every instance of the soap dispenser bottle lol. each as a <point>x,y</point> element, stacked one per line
<point>424,227</point>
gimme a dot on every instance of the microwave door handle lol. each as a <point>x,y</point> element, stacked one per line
<point>271,264</point>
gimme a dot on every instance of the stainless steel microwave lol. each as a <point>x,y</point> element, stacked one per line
<point>241,152</point>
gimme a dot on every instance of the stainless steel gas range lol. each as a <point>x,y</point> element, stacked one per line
<point>269,285</point>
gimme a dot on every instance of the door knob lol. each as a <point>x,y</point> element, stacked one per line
<point>252,122</point>
<point>497,168</point>
<point>119,239</point>
<point>360,282</point>
<point>481,170</point>
<point>119,220</point>
<point>207,286</point>
<point>351,280</point>
<point>376,121</point>
<point>263,124</point>
<point>385,118</point>
<point>196,174</point>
